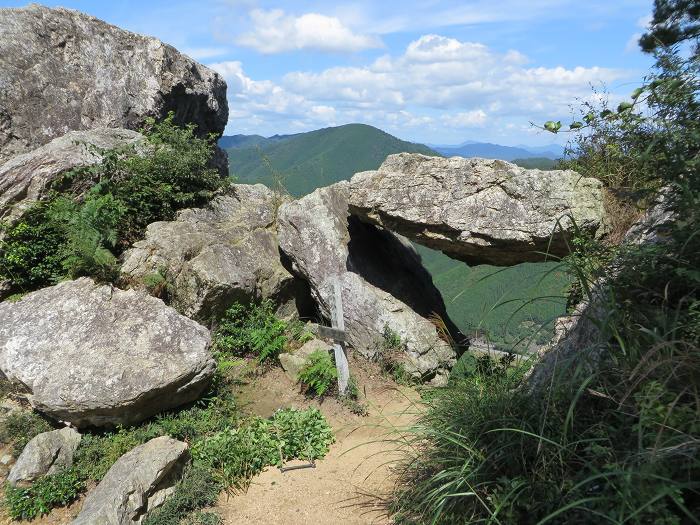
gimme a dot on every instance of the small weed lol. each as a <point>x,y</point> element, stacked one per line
<point>251,329</point>
<point>319,374</point>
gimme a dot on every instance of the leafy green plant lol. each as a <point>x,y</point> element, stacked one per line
<point>251,329</point>
<point>43,495</point>
<point>319,373</point>
<point>237,454</point>
<point>19,427</point>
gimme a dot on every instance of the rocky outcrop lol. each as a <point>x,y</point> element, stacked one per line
<point>138,482</point>
<point>27,178</point>
<point>95,355</point>
<point>47,453</point>
<point>383,284</point>
<point>478,210</point>
<point>215,256</point>
<point>62,70</point>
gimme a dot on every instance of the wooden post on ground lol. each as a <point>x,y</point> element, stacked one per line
<point>341,358</point>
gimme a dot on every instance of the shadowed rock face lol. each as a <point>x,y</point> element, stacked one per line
<point>478,210</point>
<point>383,283</point>
<point>61,70</point>
<point>25,179</point>
<point>95,355</point>
<point>215,256</point>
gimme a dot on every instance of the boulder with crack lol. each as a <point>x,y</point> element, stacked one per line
<point>94,355</point>
<point>383,283</point>
<point>214,256</point>
<point>140,481</point>
<point>478,210</point>
<point>27,178</point>
<point>46,453</point>
<point>62,70</point>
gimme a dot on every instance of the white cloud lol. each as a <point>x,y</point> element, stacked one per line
<point>467,119</point>
<point>274,31</point>
<point>437,83</point>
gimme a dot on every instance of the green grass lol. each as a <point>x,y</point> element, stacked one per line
<point>19,427</point>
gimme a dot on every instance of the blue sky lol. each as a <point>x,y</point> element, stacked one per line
<point>435,71</point>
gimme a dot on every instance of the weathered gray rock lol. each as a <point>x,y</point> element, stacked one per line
<point>27,178</point>
<point>96,355</point>
<point>47,453</point>
<point>293,362</point>
<point>138,482</point>
<point>214,256</point>
<point>478,210</point>
<point>383,283</point>
<point>62,70</point>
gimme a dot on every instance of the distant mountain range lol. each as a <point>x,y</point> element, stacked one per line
<point>496,151</point>
<point>306,161</point>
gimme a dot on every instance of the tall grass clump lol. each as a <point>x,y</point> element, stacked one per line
<point>615,439</point>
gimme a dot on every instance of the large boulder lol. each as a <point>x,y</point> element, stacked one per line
<point>62,70</point>
<point>27,178</point>
<point>211,257</point>
<point>478,210</point>
<point>383,283</point>
<point>138,482</point>
<point>95,355</point>
<point>47,453</point>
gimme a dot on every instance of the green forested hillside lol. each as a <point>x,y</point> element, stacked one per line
<point>514,306</point>
<point>499,302</point>
<point>307,161</point>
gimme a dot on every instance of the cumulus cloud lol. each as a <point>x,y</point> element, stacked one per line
<point>436,83</point>
<point>274,31</point>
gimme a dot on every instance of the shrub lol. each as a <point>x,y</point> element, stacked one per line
<point>79,233</point>
<point>30,255</point>
<point>251,329</point>
<point>43,495</point>
<point>319,374</point>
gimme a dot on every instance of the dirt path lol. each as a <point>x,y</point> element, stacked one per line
<point>348,485</point>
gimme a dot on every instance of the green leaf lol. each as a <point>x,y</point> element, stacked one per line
<point>552,126</point>
<point>624,106</point>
